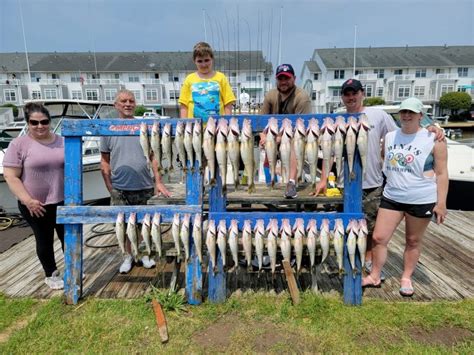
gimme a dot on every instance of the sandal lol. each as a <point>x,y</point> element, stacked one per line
<point>406,291</point>
<point>368,281</point>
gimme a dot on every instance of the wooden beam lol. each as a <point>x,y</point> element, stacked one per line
<point>160,321</point>
<point>291,281</point>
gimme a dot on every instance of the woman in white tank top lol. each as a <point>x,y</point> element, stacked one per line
<point>415,166</point>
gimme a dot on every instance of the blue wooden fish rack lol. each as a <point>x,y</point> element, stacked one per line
<point>73,214</point>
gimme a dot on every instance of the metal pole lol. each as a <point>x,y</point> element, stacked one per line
<point>205,29</point>
<point>24,40</point>
<point>355,43</point>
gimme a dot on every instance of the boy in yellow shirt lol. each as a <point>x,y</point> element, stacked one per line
<point>206,92</point>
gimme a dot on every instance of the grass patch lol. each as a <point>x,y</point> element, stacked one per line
<point>13,309</point>
<point>251,323</point>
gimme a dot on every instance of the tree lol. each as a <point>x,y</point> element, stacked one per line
<point>14,109</point>
<point>140,110</point>
<point>372,101</point>
<point>455,101</point>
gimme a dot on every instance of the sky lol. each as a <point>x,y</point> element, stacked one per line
<point>161,25</point>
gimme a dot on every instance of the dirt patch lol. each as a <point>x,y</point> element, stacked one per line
<point>217,335</point>
<point>20,324</point>
<point>261,336</point>
<point>444,336</point>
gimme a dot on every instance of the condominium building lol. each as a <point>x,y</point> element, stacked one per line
<point>154,77</point>
<point>392,73</point>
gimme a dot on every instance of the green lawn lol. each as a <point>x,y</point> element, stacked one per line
<point>253,322</point>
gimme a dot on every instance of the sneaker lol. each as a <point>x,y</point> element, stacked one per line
<point>126,265</point>
<point>55,281</point>
<point>368,269</point>
<point>291,190</point>
<point>147,262</point>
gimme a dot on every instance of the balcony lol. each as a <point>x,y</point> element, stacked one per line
<point>151,81</point>
<point>102,82</point>
<point>404,77</point>
<point>447,76</point>
<point>367,77</point>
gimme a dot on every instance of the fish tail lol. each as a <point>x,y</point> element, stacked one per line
<point>251,188</point>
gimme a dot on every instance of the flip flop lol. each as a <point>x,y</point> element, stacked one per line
<point>406,291</point>
<point>368,281</point>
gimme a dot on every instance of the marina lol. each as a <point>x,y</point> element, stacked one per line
<point>443,273</point>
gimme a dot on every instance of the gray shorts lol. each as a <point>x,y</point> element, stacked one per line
<point>130,198</point>
<point>370,205</point>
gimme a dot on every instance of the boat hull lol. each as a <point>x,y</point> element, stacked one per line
<point>461,195</point>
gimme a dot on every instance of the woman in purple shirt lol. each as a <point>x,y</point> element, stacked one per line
<point>33,168</point>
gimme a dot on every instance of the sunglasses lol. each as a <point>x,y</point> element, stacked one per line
<point>42,122</point>
<point>200,61</point>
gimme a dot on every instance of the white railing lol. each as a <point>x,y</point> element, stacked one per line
<point>404,77</point>
<point>151,81</point>
<point>12,82</point>
<point>447,76</point>
<point>366,77</point>
<point>101,81</point>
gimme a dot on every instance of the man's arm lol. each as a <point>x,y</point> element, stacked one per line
<point>106,170</point>
<point>228,108</point>
<point>183,111</point>
<point>159,186</point>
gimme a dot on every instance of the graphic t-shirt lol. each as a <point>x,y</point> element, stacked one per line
<point>206,97</point>
<point>404,166</point>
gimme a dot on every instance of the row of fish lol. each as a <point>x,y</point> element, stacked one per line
<point>331,139</point>
<point>260,238</point>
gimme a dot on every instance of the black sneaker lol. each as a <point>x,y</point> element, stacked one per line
<point>290,192</point>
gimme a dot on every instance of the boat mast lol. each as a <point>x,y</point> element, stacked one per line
<point>279,43</point>
<point>355,42</point>
<point>24,40</point>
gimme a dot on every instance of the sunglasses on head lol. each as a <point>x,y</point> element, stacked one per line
<point>207,60</point>
<point>35,123</point>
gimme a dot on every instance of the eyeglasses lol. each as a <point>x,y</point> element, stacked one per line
<point>42,122</point>
<point>200,61</point>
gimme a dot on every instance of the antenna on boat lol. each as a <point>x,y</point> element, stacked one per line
<point>24,40</point>
<point>279,43</point>
<point>204,20</point>
<point>355,42</point>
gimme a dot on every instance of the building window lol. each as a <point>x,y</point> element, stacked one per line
<point>133,78</point>
<point>50,94</point>
<point>151,94</point>
<point>398,72</point>
<point>54,76</point>
<point>462,72</point>
<point>35,77</point>
<point>316,76</point>
<point>76,94</point>
<point>110,94</point>
<point>338,74</point>
<point>439,71</point>
<point>357,72</point>
<point>313,95</point>
<point>172,77</point>
<point>251,78</point>
<point>95,76</point>
<point>35,94</point>
<point>420,73</point>
<point>116,76</point>
<point>419,91</point>
<point>137,94</point>
<point>380,73</point>
<point>368,90</point>
<point>174,94</point>
<point>445,88</point>
<point>92,94</point>
<point>75,78</point>
<point>461,89</point>
<point>380,91</point>
<point>9,95</point>
<point>403,91</point>
<point>336,92</point>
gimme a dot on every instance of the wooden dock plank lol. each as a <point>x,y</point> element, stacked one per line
<point>443,272</point>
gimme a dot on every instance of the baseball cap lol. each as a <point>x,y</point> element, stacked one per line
<point>352,84</point>
<point>285,69</point>
<point>411,104</point>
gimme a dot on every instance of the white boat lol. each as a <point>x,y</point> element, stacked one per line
<point>93,184</point>
<point>8,132</point>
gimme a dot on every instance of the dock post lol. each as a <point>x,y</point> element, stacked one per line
<point>352,203</point>
<point>73,232</point>
<point>217,281</point>
<point>194,193</point>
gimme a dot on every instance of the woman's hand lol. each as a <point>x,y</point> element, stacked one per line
<point>440,211</point>
<point>35,207</point>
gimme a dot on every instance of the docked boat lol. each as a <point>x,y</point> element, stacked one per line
<point>8,132</point>
<point>93,185</point>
